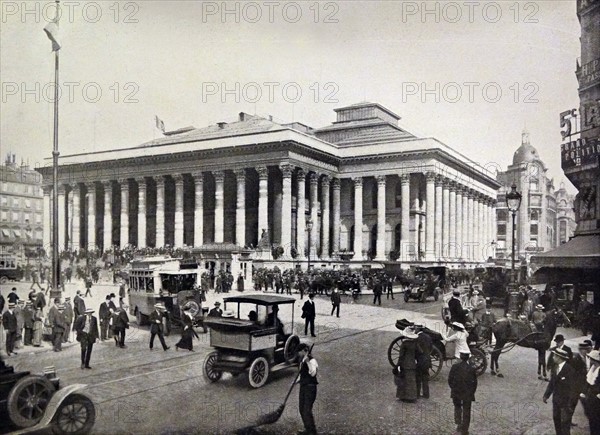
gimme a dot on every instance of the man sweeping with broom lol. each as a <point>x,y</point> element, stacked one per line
<point>308,389</point>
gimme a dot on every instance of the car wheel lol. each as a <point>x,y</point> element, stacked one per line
<point>209,371</point>
<point>28,400</point>
<point>3,280</point>
<point>75,415</point>
<point>478,361</point>
<point>290,351</point>
<point>259,372</point>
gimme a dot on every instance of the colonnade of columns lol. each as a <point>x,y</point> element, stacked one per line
<point>458,221</point>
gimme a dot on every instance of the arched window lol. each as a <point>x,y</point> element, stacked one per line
<point>374,196</point>
<point>397,239</point>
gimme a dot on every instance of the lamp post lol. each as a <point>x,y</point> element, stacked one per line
<point>309,226</point>
<point>513,202</point>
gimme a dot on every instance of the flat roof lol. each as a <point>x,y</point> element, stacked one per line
<point>261,299</point>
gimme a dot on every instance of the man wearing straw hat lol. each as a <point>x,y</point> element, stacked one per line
<point>562,389</point>
<point>590,397</point>
<point>156,326</point>
<point>87,334</point>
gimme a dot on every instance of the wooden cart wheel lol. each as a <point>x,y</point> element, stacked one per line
<point>28,400</point>
<point>75,415</point>
<point>259,372</point>
<point>437,360</point>
<point>478,361</point>
<point>209,371</point>
<point>290,351</point>
<point>394,351</point>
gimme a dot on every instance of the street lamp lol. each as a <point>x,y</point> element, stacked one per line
<point>309,227</point>
<point>513,202</point>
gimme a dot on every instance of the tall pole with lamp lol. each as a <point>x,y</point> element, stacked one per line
<point>513,202</point>
<point>309,226</point>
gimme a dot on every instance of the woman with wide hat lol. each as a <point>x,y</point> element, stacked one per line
<point>405,375</point>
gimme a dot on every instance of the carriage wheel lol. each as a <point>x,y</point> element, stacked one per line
<point>478,361</point>
<point>76,415</point>
<point>290,351</point>
<point>209,371</point>
<point>28,400</point>
<point>259,372</point>
<point>394,351</point>
<point>437,360</point>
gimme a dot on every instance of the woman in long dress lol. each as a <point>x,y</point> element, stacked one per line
<point>38,326</point>
<point>188,332</point>
<point>406,379</point>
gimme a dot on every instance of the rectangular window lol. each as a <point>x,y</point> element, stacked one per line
<point>533,229</point>
<point>533,185</point>
<point>4,215</point>
<point>15,216</point>
<point>38,218</point>
<point>28,203</point>
<point>4,200</point>
<point>27,217</point>
<point>502,229</point>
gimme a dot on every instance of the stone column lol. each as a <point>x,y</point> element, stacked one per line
<point>314,235</point>
<point>380,246</point>
<point>494,225</point>
<point>124,182</point>
<point>446,217</point>
<point>91,198</point>
<point>459,221</point>
<point>160,211</point>
<point>178,224</point>
<point>480,228</point>
<point>451,252</point>
<point>358,218</point>
<point>240,207</point>
<point>430,216</point>
<point>325,207</point>
<point>219,206</point>
<point>76,212</point>
<point>301,214</point>
<point>471,225</point>
<point>61,218</point>
<point>465,223</point>
<point>286,209</point>
<point>263,200</point>
<point>336,216</point>
<point>405,216</point>
<point>47,218</point>
<point>107,231</point>
<point>199,209</point>
<point>142,192</point>
<point>439,216</point>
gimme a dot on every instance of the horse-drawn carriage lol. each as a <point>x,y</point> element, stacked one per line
<point>31,403</point>
<point>259,343</point>
<point>440,352</point>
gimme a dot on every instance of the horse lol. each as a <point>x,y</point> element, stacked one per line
<point>526,337</point>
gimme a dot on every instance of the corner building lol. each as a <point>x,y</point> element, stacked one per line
<point>372,191</point>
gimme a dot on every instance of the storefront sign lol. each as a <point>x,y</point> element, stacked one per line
<point>584,4</point>
<point>589,73</point>
<point>579,152</point>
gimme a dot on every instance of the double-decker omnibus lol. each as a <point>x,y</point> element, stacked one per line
<point>170,281</point>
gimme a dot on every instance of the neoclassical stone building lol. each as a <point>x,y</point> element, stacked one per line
<point>371,190</point>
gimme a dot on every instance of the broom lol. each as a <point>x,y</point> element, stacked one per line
<point>272,417</point>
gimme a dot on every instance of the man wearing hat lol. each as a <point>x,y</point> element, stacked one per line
<point>457,313</point>
<point>216,311</point>
<point>538,318</point>
<point>104,314</point>
<point>488,318</point>
<point>563,391</point>
<point>581,363</point>
<point>78,305</point>
<point>560,344</point>
<point>477,303</point>
<point>28,323</point>
<point>462,380</point>
<point>423,357</point>
<point>59,324</point>
<point>156,326</point>
<point>19,306</point>
<point>9,321</point>
<point>590,396</point>
<point>69,316</point>
<point>87,334</point>
<point>308,388</point>
<point>308,314</point>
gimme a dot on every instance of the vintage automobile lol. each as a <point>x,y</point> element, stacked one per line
<point>31,403</point>
<point>426,282</point>
<point>260,343</point>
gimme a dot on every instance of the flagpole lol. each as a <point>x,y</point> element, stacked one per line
<point>55,154</point>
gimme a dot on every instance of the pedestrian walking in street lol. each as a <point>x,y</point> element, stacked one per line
<point>240,283</point>
<point>156,326</point>
<point>590,397</point>
<point>405,375</point>
<point>69,318</point>
<point>188,333</point>
<point>38,327</point>
<point>104,314</point>
<point>309,314</point>
<point>19,306</point>
<point>308,388</point>
<point>477,303</point>
<point>35,278</point>
<point>462,380</point>
<point>40,301</point>
<point>9,321</point>
<point>457,312</point>
<point>78,305</point>
<point>28,323</point>
<point>88,287</point>
<point>120,322</point>
<point>581,363</point>
<point>336,300</point>
<point>86,327</point>
<point>424,349</point>
<point>560,344</point>
<point>390,288</point>
<point>377,291</point>
<point>562,389</point>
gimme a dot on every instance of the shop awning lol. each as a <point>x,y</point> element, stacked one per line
<point>581,252</point>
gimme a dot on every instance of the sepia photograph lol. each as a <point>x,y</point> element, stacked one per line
<point>300,217</point>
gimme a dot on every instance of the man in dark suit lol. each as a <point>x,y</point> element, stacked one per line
<point>120,324</point>
<point>78,305</point>
<point>104,314</point>
<point>457,313</point>
<point>590,396</point>
<point>424,348</point>
<point>156,326</point>
<point>377,291</point>
<point>28,323</point>
<point>59,324</point>
<point>9,321</point>
<point>560,344</point>
<point>463,384</point>
<point>308,314</point>
<point>336,300</point>
<point>87,334</point>
<point>562,389</point>
<point>216,311</point>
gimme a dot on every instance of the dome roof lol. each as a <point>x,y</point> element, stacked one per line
<point>526,152</point>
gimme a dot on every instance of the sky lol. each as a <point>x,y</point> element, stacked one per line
<point>471,74</point>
